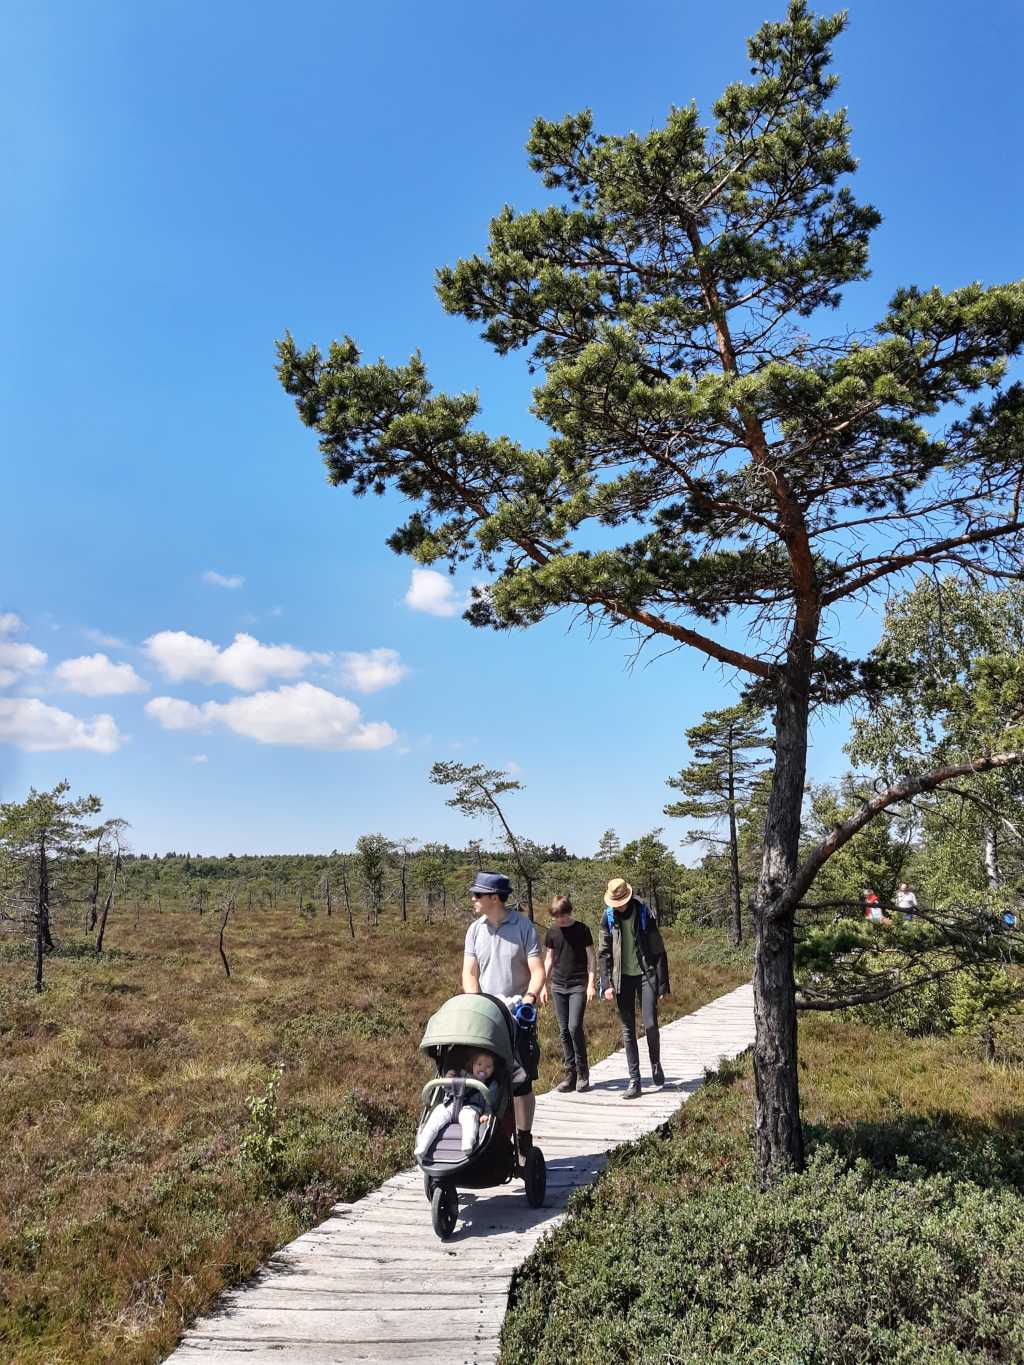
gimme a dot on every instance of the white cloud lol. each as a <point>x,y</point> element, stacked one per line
<point>174,714</point>
<point>223,580</point>
<point>94,675</point>
<point>433,593</point>
<point>372,670</point>
<point>32,725</point>
<point>100,637</point>
<point>16,659</point>
<point>244,664</point>
<point>300,714</point>
<point>200,758</point>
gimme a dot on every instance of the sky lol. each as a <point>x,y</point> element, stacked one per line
<point>193,624</point>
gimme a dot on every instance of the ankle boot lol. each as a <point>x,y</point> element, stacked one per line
<point>563,1087</point>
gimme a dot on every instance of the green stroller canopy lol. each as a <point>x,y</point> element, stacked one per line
<point>473,1020</point>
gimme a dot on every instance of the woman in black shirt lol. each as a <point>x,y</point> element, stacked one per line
<point>569,963</point>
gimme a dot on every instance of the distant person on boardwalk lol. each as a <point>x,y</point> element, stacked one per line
<point>502,957</point>
<point>569,964</point>
<point>872,908</point>
<point>635,966</point>
<point>906,901</point>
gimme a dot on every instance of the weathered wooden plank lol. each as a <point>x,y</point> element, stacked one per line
<point>198,1350</point>
<point>343,1324</point>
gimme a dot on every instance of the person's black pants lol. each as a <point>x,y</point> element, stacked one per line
<point>569,1006</point>
<point>634,990</point>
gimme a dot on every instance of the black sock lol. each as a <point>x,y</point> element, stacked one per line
<point>525,1143</point>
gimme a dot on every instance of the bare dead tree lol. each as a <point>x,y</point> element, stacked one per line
<point>346,892</point>
<point>229,905</point>
<point>94,893</point>
<point>114,834</point>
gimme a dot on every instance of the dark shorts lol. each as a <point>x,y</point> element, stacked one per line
<point>527,1055</point>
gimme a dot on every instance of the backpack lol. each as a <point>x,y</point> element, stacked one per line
<point>609,918</point>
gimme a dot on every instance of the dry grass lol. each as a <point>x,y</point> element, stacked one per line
<point>125,1204</point>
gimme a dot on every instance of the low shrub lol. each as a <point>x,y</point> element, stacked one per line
<point>841,1265</point>
<point>977,1004</point>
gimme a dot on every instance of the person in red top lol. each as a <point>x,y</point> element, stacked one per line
<point>872,907</point>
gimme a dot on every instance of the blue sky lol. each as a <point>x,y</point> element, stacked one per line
<point>185,182</point>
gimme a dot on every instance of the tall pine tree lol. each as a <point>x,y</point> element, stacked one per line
<point>760,479</point>
<point>719,781</point>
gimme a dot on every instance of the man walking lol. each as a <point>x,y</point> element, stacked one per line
<point>503,957</point>
<point>635,966</point>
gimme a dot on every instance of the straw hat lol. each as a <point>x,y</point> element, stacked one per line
<point>619,893</point>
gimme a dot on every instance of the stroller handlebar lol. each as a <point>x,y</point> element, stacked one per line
<point>439,1082</point>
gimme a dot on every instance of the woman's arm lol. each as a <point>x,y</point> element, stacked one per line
<point>591,972</point>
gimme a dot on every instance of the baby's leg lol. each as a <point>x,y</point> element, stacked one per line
<point>437,1121</point>
<point>469,1122</point>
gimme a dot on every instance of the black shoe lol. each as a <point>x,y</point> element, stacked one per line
<point>657,1074</point>
<point>632,1091</point>
<point>565,1086</point>
<point>582,1085</point>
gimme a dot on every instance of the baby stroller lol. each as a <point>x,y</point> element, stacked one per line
<point>463,1025</point>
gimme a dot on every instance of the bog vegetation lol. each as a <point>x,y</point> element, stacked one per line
<point>167,1126</point>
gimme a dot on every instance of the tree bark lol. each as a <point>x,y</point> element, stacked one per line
<point>343,878</point>
<point>229,906</point>
<point>108,903</point>
<point>42,910</point>
<point>736,931</point>
<point>778,1136</point>
<point>95,893</point>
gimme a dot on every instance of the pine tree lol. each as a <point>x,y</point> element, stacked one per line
<point>608,848</point>
<point>746,479</point>
<point>719,780</point>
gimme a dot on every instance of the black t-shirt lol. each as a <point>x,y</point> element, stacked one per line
<point>570,945</point>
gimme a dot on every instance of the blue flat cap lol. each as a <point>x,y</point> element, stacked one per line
<point>491,884</point>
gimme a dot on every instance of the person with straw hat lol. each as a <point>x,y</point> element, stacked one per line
<point>635,966</point>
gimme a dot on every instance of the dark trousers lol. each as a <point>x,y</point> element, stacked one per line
<point>634,989</point>
<point>569,1006</point>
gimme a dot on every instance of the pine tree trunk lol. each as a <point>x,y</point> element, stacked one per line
<point>778,1137</point>
<point>736,930</point>
<point>42,910</point>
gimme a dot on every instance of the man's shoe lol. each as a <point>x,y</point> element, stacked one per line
<point>582,1085</point>
<point>657,1074</point>
<point>565,1086</point>
<point>632,1091</point>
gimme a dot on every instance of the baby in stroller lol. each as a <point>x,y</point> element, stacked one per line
<point>468,1106</point>
<point>471,1040</point>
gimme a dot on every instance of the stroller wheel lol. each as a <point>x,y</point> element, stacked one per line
<point>536,1177</point>
<point>444,1210</point>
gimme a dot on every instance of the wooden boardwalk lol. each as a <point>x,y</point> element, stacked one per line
<point>374,1284</point>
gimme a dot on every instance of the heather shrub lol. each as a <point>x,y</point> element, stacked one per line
<point>841,1265</point>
